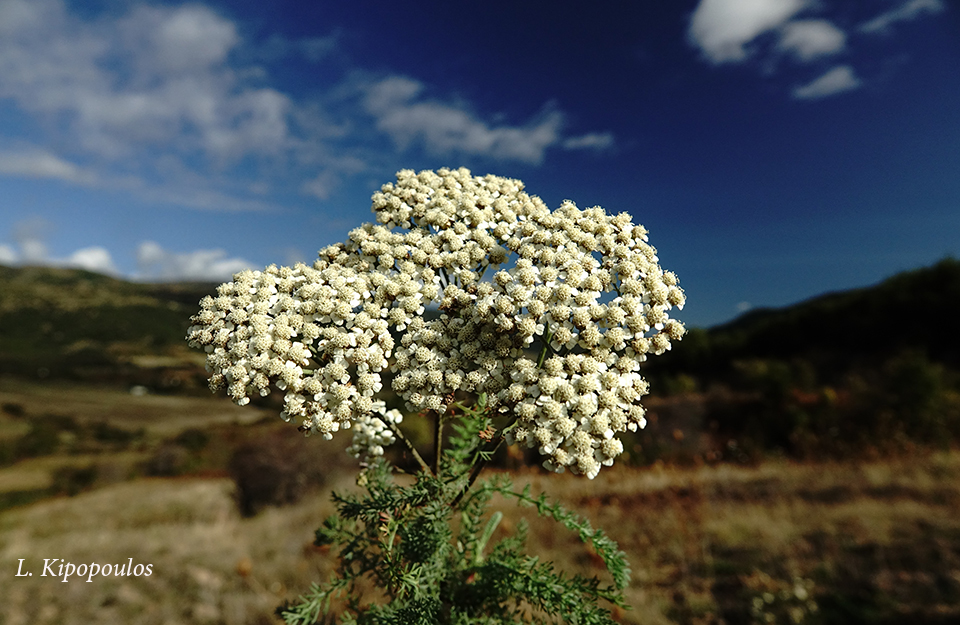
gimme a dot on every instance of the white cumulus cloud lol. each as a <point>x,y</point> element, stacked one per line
<point>142,90</point>
<point>92,259</point>
<point>809,39</point>
<point>8,255</point>
<point>31,249</point>
<point>763,32</point>
<point>723,28</point>
<point>837,80</point>
<point>155,77</point>
<point>156,263</point>
<point>174,103</point>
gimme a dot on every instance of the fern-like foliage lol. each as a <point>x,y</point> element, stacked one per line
<point>401,538</point>
<point>428,548</point>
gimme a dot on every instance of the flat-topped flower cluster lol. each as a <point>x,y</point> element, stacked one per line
<point>549,313</point>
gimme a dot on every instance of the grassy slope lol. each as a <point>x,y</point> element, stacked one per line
<point>74,323</point>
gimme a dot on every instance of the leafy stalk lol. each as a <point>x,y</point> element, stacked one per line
<point>401,538</point>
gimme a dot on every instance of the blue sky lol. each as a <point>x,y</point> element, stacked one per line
<point>775,149</point>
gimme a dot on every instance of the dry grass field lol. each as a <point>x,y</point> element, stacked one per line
<point>870,543</point>
<point>159,415</point>
<point>839,542</point>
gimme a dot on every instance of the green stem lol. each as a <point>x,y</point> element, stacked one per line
<point>477,469</point>
<point>437,443</point>
<point>399,434</point>
<point>483,457</point>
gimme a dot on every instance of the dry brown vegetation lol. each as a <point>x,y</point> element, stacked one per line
<point>876,541</point>
<point>880,541</point>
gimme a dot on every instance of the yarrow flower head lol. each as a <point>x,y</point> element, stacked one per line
<point>371,432</point>
<point>547,313</point>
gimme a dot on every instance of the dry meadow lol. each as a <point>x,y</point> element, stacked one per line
<point>873,543</point>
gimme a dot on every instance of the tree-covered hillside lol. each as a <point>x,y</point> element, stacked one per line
<point>874,367</point>
<point>915,310</point>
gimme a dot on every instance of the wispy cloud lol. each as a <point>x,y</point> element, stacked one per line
<point>907,11</point>
<point>837,80</point>
<point>166,79</point>
<point>313,49</point>
<point>135,92</point>
<point>598,141</point>
<point>30,235</point>
<point>37,163</point>
<point>408,118</point>
<point>322,186</point>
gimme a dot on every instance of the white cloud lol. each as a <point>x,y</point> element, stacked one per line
<point>907,11</point>
<point>598,141</point>
<point>322,186</point>
<point>92,259</point>
<point>315,49</point>
<point>156,80</point>
<point>171,103</point>
<point>36,163</point>
<point>190,39</point>
<point>33,252</point>
<point>8,255</point>
<point>153,261</point>
<point>732,31</point>
<point>723,28</point>
<point>809,39</point>
<point>837,80</point>
<point>156,263</point>
<point>30,235</point>
<point>445,128</point>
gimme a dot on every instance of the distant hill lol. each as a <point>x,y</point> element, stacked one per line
<point>65,320</point>
<point>860,371</point>
<point>870,368</point>
<point>60,322</point>
<point>915,310</point>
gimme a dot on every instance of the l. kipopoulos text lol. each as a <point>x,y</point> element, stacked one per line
<point>59,568</point>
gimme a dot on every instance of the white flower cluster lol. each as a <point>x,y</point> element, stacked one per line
<point>509,277</point>
<point>371,433</point>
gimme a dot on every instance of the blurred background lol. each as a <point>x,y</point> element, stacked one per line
<point>794,161</point>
